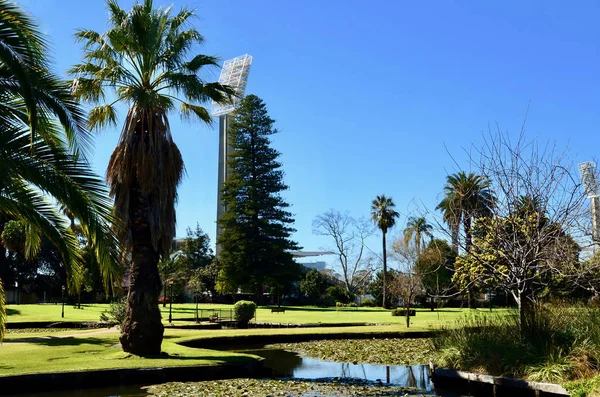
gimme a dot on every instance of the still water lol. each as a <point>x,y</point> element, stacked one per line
<point>284,364</point>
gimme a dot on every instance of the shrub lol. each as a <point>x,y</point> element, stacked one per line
<point>337,293</point>
<point>244,311</point>
<point>560,343</point>
<point>368,302</point>
<point>402,312</point>
<point>116,312</point>
<point>351,304</point>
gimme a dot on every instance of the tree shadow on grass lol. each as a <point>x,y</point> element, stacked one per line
<point>175,357</point>
<point>12,312</point>
<point>68,341</point>
<point>327,309</point>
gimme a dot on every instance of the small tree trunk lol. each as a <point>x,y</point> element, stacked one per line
<point>142,330</point>
<point>385,303</point>
<point>407,308</point>
<point>526,309</point>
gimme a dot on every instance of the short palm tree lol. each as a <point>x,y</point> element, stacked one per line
<point>43,142</point>
<point>384,216</point>
<point>466,197</point>
<point>417,229</point>
<point>144,60</point>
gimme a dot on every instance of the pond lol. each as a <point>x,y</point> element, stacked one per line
<point>287,365</point>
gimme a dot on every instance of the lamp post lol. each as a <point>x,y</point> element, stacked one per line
<point>196,292</point>
<point>63,302</point>
<point>171,303</point>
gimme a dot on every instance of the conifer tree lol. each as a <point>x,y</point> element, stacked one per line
<point>255,242</point>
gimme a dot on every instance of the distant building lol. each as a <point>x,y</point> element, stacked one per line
<point>319,265</point>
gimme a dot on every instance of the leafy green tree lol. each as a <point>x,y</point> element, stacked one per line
<point>196,252</point>
<point>43,148</point>
<point>145,60</point>
<point>376,288</point>
<point>313,286</point>
<point>384,216</point>
<point>520,254</point>
<point>435,266</point>
<point>417,229</point>
<point>255,242</point>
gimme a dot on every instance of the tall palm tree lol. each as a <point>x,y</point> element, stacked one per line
<point>145,60</point>
<point>384,216</point>
<point>418,228</point>
<point>43,143</point>
<point>466,197</point>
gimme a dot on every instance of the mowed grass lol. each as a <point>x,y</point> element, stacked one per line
<point>59,352</point>
<point>293,315</point>
<point>74,350</point>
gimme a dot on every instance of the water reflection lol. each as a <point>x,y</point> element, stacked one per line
<point>287,364</point>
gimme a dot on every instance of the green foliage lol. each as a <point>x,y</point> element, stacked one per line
<point>526,238</point>
<point>255,242</point>
<point>196,251</point>
<point>434,266</point>
<point>337,293</point>
<point>43,148</point>
<point>313,286</point>
<point>400,312</point>
<point>583,388</point>
<point>466,197</point>
<point>561,344</point>
<point>116,312</point>
<point>342,304</point>
<point>368,302</point>
<point>376,288</point>
<point>402,351</point>
<point>13,236</point>
<point>244,311</point>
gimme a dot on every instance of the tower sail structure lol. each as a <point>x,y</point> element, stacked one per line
<point>589,180</point>
<point>235,75</point>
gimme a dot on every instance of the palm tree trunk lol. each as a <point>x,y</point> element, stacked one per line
<point>142,330</point>
<point>385,305</point>
<point>468,245</point>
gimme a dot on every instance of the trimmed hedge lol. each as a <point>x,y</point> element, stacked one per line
<point>244,311</point>
<point>402,312</point>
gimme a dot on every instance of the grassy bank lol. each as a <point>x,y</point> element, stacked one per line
<point>66,351</point>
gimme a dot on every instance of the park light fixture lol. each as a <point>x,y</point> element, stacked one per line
<point>171,303</point>
<point>234,75</point>
<point>589,180</point>
<point>62,315</point>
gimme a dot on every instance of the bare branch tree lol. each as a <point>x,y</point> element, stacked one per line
<point>348,235</point>
<point>533,232</point>
<point>407,284</point>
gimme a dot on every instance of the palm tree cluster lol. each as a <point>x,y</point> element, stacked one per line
<point>466,197</point>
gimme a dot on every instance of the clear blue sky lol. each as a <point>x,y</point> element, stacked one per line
<point>370,96</point>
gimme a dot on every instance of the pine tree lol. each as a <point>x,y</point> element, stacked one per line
<point>255,242</point>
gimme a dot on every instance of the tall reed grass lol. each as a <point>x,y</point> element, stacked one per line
<point>561,343</point>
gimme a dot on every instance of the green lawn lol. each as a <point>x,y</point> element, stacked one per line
<point>293,315</point>
<point>75,350</point>
<point>25,353</point>
<point>36,353</point>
